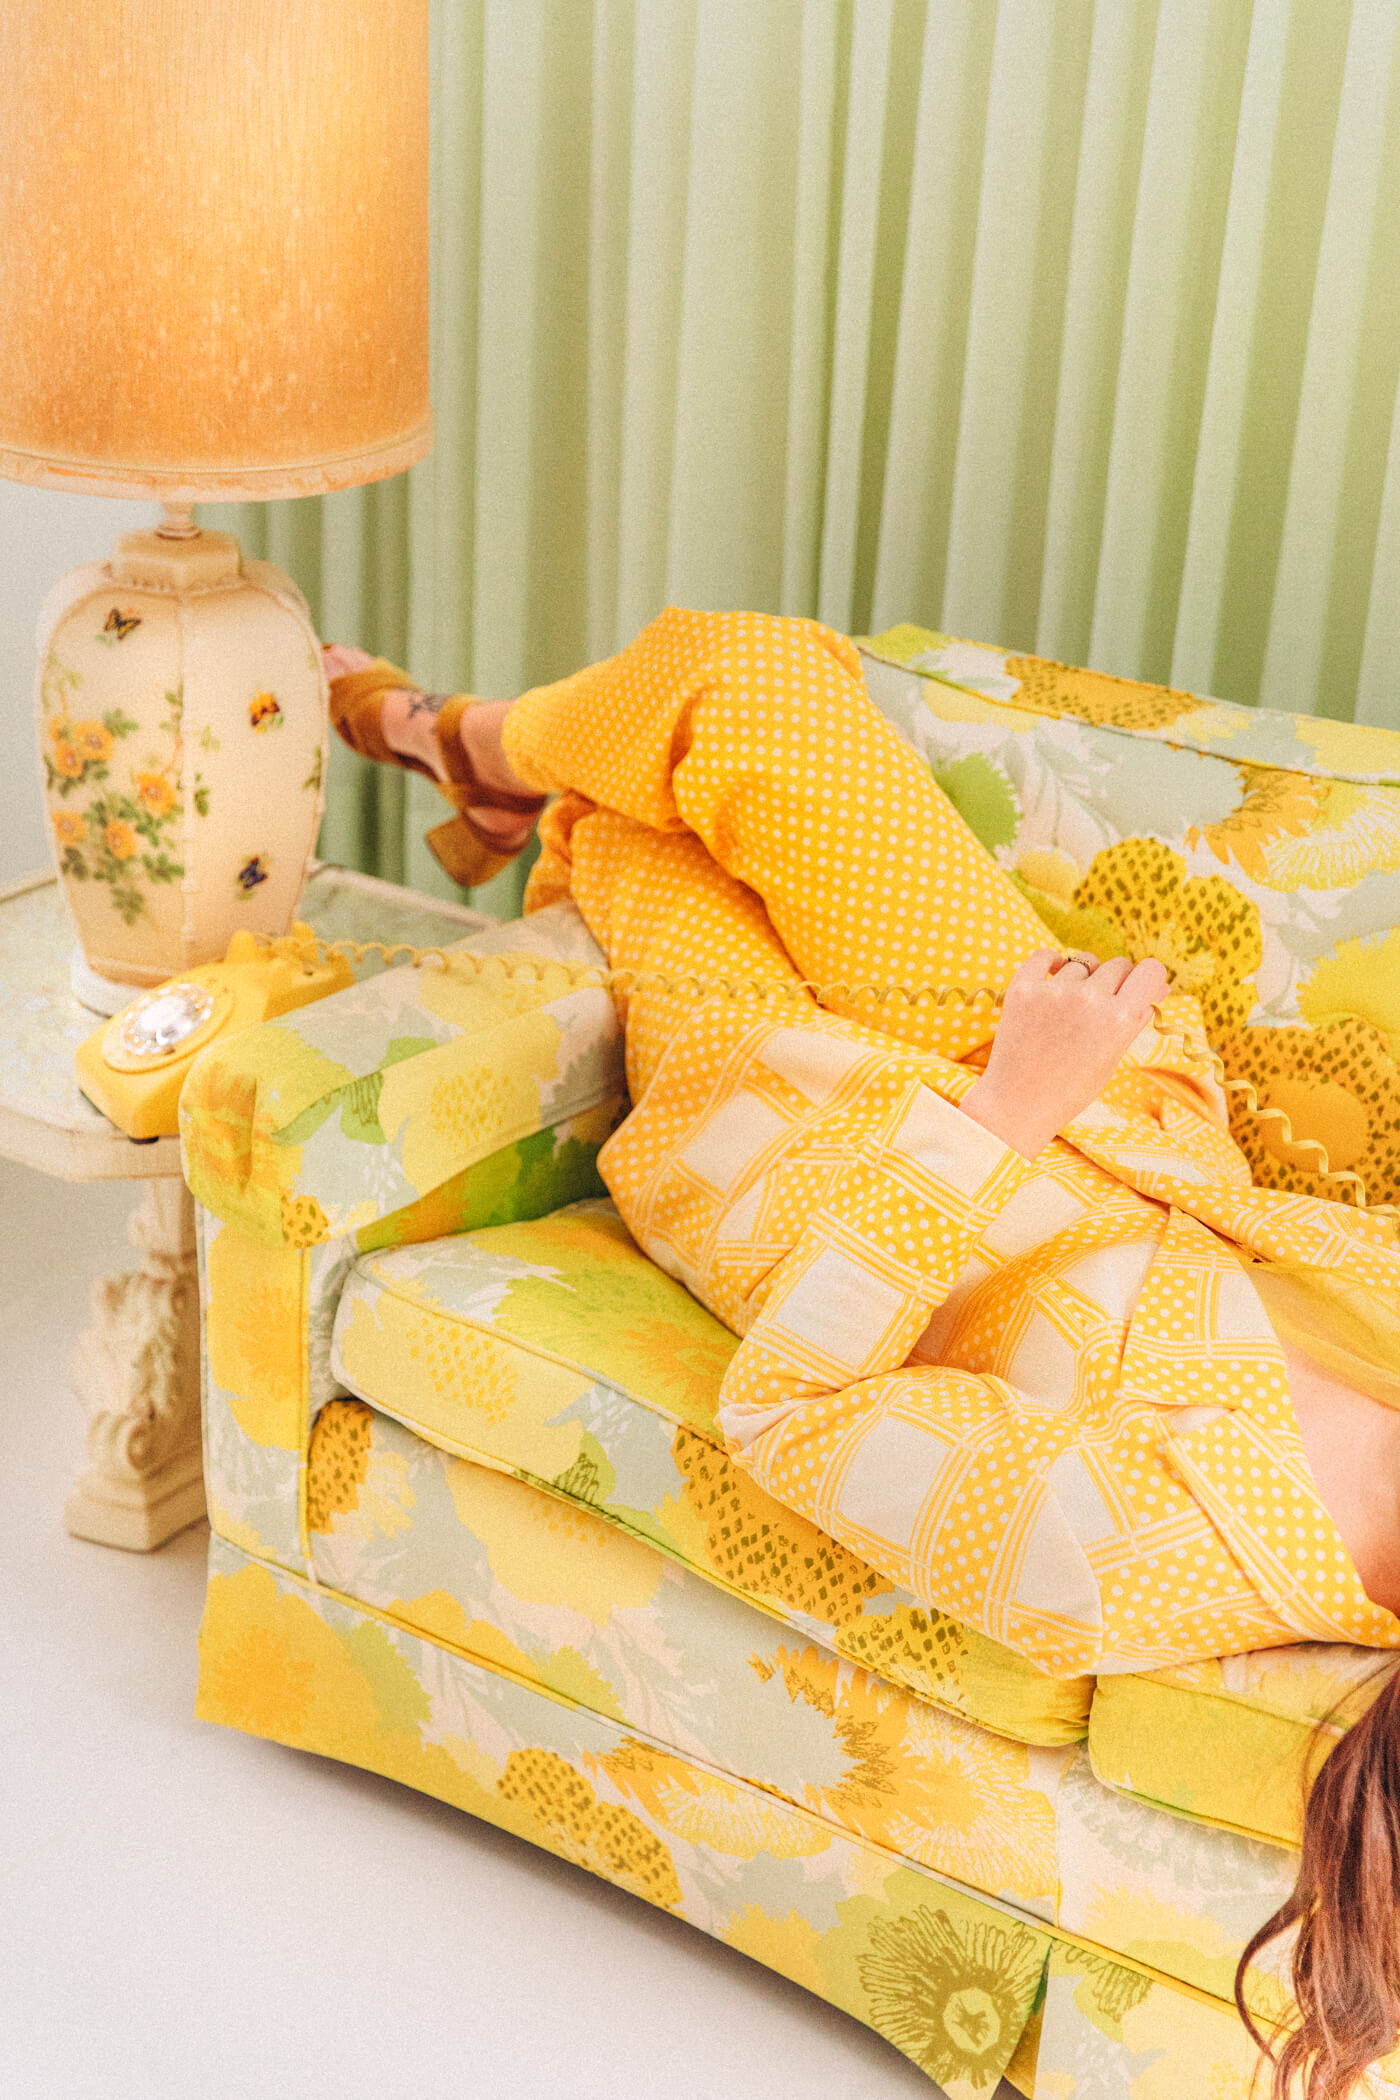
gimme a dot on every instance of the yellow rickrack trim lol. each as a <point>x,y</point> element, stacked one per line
<point>598,976</point>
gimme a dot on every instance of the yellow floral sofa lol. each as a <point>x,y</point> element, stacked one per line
<point>473,1526</point>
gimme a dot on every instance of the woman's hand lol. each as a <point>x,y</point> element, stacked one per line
<point>1065,1024</point>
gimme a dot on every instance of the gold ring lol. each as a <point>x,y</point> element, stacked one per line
<point>1085,962</point>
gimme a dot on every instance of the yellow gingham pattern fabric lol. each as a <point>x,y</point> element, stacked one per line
<point>1043,1394</point>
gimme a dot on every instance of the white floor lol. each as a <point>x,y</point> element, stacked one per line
<point>190,1914</point>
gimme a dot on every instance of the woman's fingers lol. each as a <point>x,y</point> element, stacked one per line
<point>1111,976</point>
<point>1118,979</point>
<point>1147,981</point>
<point>1040,965</point>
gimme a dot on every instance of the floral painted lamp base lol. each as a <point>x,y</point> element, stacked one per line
<point>182,729</point>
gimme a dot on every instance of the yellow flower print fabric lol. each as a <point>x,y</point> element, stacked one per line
<point>519,1735</point>
<point>1257,855</point>
<point>949,1978</point>
<point>552,1590</point>
<point>555,1348</point>
<point>477,1096</point>
<point>572,1686</point>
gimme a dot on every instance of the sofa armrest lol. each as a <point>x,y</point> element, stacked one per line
<point>336,1117</point>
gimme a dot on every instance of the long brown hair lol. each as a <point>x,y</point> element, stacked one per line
<point>1346,1905</point>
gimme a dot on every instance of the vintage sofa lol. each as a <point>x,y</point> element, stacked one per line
<point>473,1527</point>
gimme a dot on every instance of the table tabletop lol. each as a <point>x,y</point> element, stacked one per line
<point>44,1121</point>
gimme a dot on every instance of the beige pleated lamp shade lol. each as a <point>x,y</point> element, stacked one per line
<point>213,245</point>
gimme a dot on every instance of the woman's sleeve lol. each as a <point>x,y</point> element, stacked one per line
<point>821,1404</point>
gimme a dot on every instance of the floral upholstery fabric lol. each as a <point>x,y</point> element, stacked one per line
<point>558,1596</point>
<point>948,1978</point>
<point>606,1639</point>
<point>555,1348</point>
<point>1256,854</point>
<point>415,1085</point>
<point>1235,1741</point>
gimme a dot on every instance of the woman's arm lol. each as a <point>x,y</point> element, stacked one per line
<point>1065,1026</point>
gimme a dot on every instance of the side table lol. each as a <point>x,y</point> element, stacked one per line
<point>137,1366</point>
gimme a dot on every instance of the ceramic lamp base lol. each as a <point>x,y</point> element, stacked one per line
<point>99,994</point>
<point>182,730</point>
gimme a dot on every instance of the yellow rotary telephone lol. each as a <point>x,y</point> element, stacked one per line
<point>134,1066</point>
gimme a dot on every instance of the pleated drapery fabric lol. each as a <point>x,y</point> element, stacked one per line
<point>1069,325</point>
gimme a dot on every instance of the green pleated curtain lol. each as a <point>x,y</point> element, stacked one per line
<point>1068,325</point>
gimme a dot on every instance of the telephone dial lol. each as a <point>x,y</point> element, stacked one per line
<point>134,1066</point>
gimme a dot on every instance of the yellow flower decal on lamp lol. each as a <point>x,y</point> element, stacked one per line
<point>155,793</point>
<point>119,839</point>
<point>93,742</point>
<point>69,828</point>
<point>264,711</point>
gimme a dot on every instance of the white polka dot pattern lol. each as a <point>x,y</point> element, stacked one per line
<point>974,1370</point>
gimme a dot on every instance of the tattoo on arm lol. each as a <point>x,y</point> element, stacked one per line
<point>428,703</point>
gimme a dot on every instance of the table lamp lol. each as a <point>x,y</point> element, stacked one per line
<point>213,287</point>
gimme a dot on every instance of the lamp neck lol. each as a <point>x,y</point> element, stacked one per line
<point>178,522</point>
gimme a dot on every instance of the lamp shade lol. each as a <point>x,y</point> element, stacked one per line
<point>213,245</point>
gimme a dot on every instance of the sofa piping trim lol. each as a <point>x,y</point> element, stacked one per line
<point>1144,736</point>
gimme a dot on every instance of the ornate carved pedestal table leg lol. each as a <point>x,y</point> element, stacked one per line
<point>137,1365</point>
<point>137,1370</point>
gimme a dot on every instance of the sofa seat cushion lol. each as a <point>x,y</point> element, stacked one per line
<point>555,1349</point>
<point>1236,1742</point>
<point>544,1591</point>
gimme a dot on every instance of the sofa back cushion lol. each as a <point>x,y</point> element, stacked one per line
<point>1256,854</point>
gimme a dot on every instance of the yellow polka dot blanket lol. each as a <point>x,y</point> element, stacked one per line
<point>1045,1395</point>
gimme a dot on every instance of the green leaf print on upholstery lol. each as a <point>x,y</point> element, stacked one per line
<point>982,796</point>
<point>439,1077</point>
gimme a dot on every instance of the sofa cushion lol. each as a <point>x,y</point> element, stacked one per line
<point>1234,1742</point>
<point>1256,854</point>
<point>454,1089</point>
<point>558,1595</point>
<point>559,1598</point>
<point>556,1349</point>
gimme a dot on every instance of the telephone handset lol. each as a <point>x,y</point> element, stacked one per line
<point>134,1066</point>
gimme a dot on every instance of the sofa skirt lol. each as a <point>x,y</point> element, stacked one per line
<point>958,1982</point>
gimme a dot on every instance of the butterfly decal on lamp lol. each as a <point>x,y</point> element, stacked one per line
<point>118,625</point>
<point>253,871</point>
